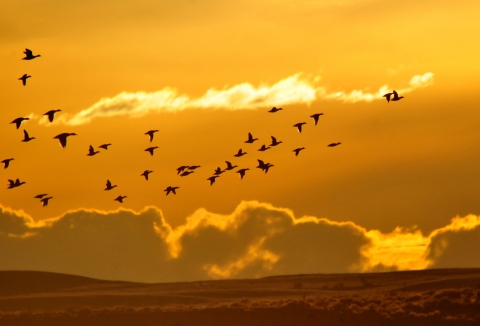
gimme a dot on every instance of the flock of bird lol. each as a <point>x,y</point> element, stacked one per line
<point>183,170</point>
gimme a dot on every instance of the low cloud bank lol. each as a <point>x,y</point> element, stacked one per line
<point>256,240</point>
<point>295,89</point>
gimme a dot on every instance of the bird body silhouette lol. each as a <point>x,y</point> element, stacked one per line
<point>104,146</point>
<point>6,162</point>
<point>24,79</point>
<point>45,201</point>
<point>29,55</point>
<point>109,185</point>
<point>185,173</point>
<point>299,126</point>
<point>40,196</point>
<point>315,117</point>
<point>146,173</point>
<point>150,134</point>
<point>229,166</point>
<point>181,168</point>
<point>241,172</point>
<point>62,138</point>
<point>275,142</point>
<point>13,184</point>
<point>250,139</point>
<point>297,150</point>
<point>264,148</point>
<point>333,144</point>
<point>120,198</point>
<point>240,153</point>
<point>212,179</point>
<point>26,137</point>
<point>170,189</point>
<point>91,151</point>
<point>218,171</point>
<point>274,109</point>
<point>51,114</point>
<point>193,167</point>
<point>396,97</point>
<point>18,121</point>
<point>151,149</point>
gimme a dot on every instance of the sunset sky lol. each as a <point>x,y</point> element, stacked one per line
<point>401,191</point>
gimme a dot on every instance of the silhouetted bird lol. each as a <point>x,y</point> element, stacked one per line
<point>104,146</point>
<point>6,162</point>
<point>299,126</point>
<point>333,144</point>
<point>45,201</point>
<point>229,166</point>
<point>315,117</point>
<point>24,79</point>
<point>240,153</point>
<point>51,114</point>
<point>109,186</point>
<point>267,166</point>
<point>151,149</point>
<point>18,121</point>
<point>62,138</point>
<point>274,109</point>
<point>29,55</point>
<point>91,151</point>
<point>40,196</point>
<point>193,167</point>
<point>275,142</point>
<point>120,198</point>
<point>146,173</point>
<point>180,169</point>
<point>185,173</point>
<point>218,171</point>
<point>250,139</point>
<point>264,166</point>
<point>150,134</point>
<point>297,150</point>
<point>242,172</point>
<point>171,189</point>
<point>26,137</point>
<point>264,148</point>
<point>14,184</point>
<point>387,96</point>
<point>212,179</point>
<point>396,97</point>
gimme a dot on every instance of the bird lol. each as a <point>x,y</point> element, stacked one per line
<point>218,171</point>
<point>50,114</point>
<point>261,164</point>
<point>193,167</point>
<point>151,149</point>
<point>333,144</point>
<point>274,109</point>
<point>229,166</point>
<point>180,169</point>
<point>240,153</point>
<point>185,173</point>
<point>62,138</point>
<point>24,79</point>
<point>299,126</point>
<point>316,116</point>
<point>26,137</point>
<point>109,186</point>
<point>242,172</point>
<point>29,55</point>
<point>264,148</point>
<point>104,146</point>
<point>91,151</point>
<point>267,166</point>
<point>146,173</point>
<point>120,198</point>
<point>14,184</point>
<point>40,196</point>
<point>297,150</point>
<point>250,139</point>
<point>6,162</point>
<point>171,189</point>
<point>18,121</point>
<point>212,179</point>
<point>396,97</point>
<point>387,96</point>
<point>150,134</point>
<point>275,142</point>
<point>45,201</point>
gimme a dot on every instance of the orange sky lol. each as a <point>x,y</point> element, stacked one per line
<point>205,73</point>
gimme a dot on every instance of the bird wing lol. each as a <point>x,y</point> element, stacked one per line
<point>26,134</point>
<point>28,52</point>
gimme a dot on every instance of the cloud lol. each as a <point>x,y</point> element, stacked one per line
<point>295,89</point>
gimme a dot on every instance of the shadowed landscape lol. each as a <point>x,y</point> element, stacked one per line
<point>428,297</point>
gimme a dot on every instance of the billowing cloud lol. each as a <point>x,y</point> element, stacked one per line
<point>256,240</point>
<point>295,89</point>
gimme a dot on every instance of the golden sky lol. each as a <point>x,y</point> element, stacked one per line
<point>205,73</point>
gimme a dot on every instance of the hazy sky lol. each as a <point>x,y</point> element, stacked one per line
<point>400,192</point>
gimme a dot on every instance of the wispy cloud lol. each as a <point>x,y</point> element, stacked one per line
<point>296,89</point>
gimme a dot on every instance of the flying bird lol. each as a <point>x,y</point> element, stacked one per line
<point>45,201</point>
<point>240,153</point>
<point>212,179</point>
<point>264,148</point>
<point>297,150</point>
<point>396,97</point>
<point>26,137</point>
<point>242,172</point>
<point>104,146</point>
<point>109,186</point>
<point>229,166</point>
<point>185,173</point>
<point>315,117</point>
<point>18,121</point>
<point>24,79</point>
<point>333,144</point>
<point>14,184</point>
<point>274,109</point>
<point>120,198</point>
<point>250,139</point>
<point>193,167</point>
<point>146,173</point>
<point>29,55</point>
<point>150,134</point>
<point>40,196</point>
<point>299,126</point>
<point>51,114</point>
<point>62,138</point>
<point>91,151</point>
<point>171,189</point>
<point>275,142</point>
<point>6,162</point>
<point>267,166</point>
<point>151,149</point>
<point>218,171</point>
<point>261,164</point>
<point>180,169</point>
